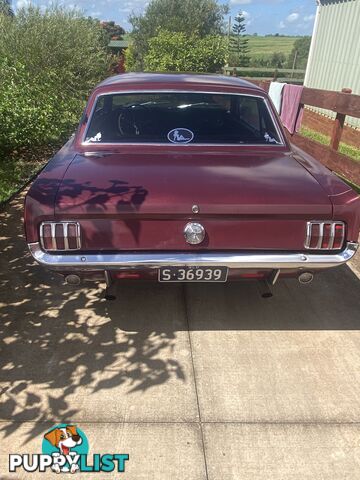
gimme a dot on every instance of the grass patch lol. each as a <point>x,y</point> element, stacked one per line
<point>266,46</point>
<point>17,168</point>
<point>344,148</point>
<point>350,151</point>
<point>313,135</point>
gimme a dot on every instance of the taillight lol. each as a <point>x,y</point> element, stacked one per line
<point>60,236</point>
<point>339,236</point>
<point>325,235</point>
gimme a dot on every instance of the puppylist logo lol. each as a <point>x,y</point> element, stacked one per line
<point>65,449</point>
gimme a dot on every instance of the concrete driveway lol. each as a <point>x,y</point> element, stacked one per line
<point>193,382</point>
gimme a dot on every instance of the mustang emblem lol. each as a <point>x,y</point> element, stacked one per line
<point>180,135</point>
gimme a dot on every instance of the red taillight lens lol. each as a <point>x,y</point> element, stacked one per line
<point>60,236</point>
<point>315,236</point>
<point>325,235</point>
<point>72,236</point>
<point>47,237</point>
<point>339,236</point>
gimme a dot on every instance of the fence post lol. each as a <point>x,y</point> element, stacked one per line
<point>338,126</point>
<point>294,64</point>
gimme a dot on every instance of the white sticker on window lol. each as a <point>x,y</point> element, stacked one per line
<point>96,138</point>
<point>270,139</point>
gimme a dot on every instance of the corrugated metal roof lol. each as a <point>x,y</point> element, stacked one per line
<point>327,2</point>
<point>334,63</point>
<point>118,43</point>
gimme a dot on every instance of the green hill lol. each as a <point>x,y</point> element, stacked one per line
<point>266,46</point>
<point>262,46</point>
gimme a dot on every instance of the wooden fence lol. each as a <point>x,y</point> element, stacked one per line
<point>289,75</point>
<point>343,103</point>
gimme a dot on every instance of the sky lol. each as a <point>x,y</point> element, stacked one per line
<point>286,17</point>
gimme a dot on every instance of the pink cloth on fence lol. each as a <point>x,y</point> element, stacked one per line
<point>291,110</point>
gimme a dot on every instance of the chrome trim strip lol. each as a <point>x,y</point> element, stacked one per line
<point>53,235</point>
<point>321,236</point>
<point>308,234</point>
<point>154,260</point>
<point>65,233</point>
<point>78,235</point>
<point>126,92</point>
<point>41,235</point>
<point>343,233</point>
<point>332,236</point>
<point>174,145</point>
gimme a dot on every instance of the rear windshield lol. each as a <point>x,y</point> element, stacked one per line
<point>181,118</point>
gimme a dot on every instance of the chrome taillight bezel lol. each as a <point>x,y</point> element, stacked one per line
<point>65,229</point>
<point>321,224</point>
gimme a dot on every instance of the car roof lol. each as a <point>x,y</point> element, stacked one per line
<point>176,80</point>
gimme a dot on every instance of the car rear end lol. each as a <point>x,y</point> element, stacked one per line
<point>142,198</point>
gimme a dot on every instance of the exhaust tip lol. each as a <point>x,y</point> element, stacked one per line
<point>72,280</point>
<point>305,278</point>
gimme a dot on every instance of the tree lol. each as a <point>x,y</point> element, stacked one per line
<point>113,31</point>
<point>277,60</point>
<point>5,8</point>
<point>178,52</point>
<point>191,17</point>
<point>238,41</point>
<point>301,51</point>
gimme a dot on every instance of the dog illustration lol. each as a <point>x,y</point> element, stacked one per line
<point>64,439</point>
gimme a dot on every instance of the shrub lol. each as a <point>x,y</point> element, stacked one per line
<point>275,60</point>
<point>32,109</point>
<point>49,62</point>
<point>200,17</point>
<point>178,52</point>
<point>301,49</point>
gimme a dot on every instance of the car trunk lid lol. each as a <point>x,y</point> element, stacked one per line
<point>143,201</point>
<point>171,183</point>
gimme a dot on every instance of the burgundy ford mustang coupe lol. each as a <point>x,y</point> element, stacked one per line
<point>187,178</point>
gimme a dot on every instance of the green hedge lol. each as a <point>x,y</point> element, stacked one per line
<point>49,62</point>
<point>179,52</point>
<point>264,72</point>
<point>33,110</point>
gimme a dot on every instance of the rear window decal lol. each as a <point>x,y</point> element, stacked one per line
<point>180,135</point>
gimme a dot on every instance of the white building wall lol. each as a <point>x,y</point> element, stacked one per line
<point>334,59</point>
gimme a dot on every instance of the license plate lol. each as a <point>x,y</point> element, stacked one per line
<point>193,274</point>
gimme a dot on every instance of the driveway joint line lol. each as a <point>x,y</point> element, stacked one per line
<point>194,375</point>
<point>188,422</point>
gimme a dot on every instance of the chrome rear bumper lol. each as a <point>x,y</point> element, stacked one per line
<point>154,260</point>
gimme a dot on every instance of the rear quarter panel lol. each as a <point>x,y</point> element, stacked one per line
<point>345,201</point>
<point>40,199</point>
